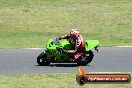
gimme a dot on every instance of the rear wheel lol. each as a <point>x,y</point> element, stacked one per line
<point>86,59</point>
<point>42,59</point>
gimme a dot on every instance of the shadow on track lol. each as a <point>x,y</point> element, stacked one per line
<point>63,65</point>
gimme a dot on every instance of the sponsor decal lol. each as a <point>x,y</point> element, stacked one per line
<point>83,78</point>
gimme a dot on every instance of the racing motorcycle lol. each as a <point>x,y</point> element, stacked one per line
<point>56,52</point>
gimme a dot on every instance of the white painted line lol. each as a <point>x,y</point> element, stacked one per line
<point>123,46</point>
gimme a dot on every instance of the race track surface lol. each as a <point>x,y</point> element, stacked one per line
<point>23,61</point>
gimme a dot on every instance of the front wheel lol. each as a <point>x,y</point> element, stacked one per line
<point>86,59</point>
<point>42,59</point>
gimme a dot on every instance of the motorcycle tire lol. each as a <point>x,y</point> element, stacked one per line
<point>86,59</point>
<point>42,59</point>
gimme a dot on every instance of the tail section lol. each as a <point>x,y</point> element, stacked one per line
<point>91,44</point>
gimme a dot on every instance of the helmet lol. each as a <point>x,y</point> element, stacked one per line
<point>74,33</point>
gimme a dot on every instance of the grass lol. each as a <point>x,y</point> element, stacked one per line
<point>30,23</point>
<point>50,81</point>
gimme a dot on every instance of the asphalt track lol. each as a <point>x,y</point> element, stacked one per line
<point>23,61</point>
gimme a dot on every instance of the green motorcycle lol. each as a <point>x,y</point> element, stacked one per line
<point>56,52</point>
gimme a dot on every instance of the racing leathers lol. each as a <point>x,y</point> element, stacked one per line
<point>79,46</point>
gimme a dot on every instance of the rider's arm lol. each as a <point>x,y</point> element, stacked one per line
<point>64,37</point>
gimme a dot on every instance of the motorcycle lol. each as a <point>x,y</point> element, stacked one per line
<point>56,52</point>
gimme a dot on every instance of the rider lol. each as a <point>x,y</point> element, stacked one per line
<point>78,41</point>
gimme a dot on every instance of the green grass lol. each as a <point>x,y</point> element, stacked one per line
<point>30,23</point>
<point>50,81</point>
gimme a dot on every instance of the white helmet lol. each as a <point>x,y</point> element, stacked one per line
<point>74,33</point>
